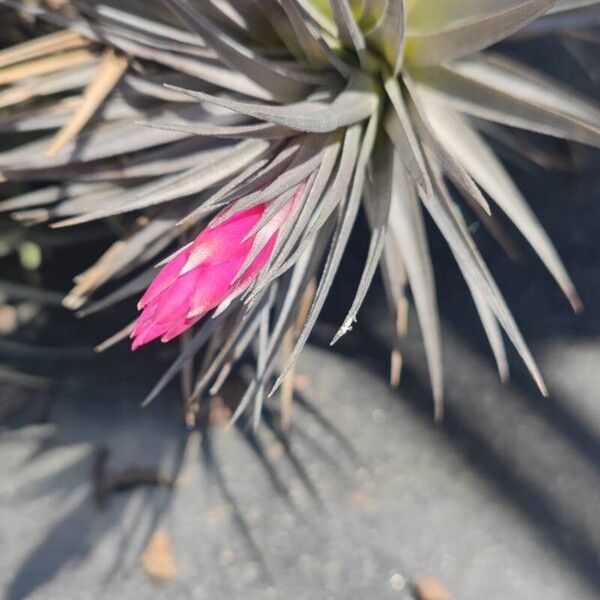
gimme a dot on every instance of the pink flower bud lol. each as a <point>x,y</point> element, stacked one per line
<point>206,273</point>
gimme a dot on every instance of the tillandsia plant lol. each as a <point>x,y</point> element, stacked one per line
<point>250,132</point>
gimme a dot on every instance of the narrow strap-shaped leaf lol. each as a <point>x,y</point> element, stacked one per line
<point>338,244</point>
<point>486,314</point>
<point>306,37</point>
<point>263,340</point>
<point>238,57</point>
<point>408,229</point>
<point>315,194</point>
<point>489,91</point>
<point>46,85</point>
<point>133,286</point>
<point>348,28</point>
<point>227,162</point>
<point>377,208</point>
<point>465,251</point>
<point>333,198</point>
<point>526,84</point>
<point>254,130</point>
<point>200,338</point>
<point>399,128</point>
<point>373,11</point>
<point>209,205</point>
<point>451,167</point>
<point>280,22</point>
<point>302,165</point>
<point>388,34</point>
<point>356,103</point>
<point>564,5</point>
<point>465,36</point>
<point>108,140</point>
<point>293,294</point>
<point>48,195</point>
<point>467,145</point>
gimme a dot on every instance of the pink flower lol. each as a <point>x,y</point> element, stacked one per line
<point>201,276</point>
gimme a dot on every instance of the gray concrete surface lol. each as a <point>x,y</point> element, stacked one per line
<point>497,503</point>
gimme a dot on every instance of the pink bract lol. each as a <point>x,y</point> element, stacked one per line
<point>206,273</point>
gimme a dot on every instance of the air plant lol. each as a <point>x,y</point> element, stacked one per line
<point>280,119</point>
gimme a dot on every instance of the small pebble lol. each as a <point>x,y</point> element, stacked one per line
<point>429,588</point>
<point>397,582</point>
<point>158,559</point>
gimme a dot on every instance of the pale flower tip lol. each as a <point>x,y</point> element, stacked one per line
<point>197,256</point>
<point>170,335</point>
<point>222,307</point>
<point>197,312</point>
<point>186,269</point>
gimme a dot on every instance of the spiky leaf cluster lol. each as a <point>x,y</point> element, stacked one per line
<point>173,111</point>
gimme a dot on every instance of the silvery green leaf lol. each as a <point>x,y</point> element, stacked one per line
<point>307,37</point>
<point>281,24</point>
<point>133,286</point>
<point>252,179</point>
<point>139,22</point>
<point>315,195</point>
<point>456,38</point>
<point>244,18</point>
<point>348,29</point>
<point>233,184</point>
<point>332,199</point>
<point>563,22</point>
<point>387,36</point>
<point>407,228</point>
<point>486,314</point>
<point>137,88</point>
<point>338,244</point>
<point>261,363</point>
<point>373,12</point>
<point>356,103</point>
<point>530,86</point>
<point>48,195</point>
<point>279,82</point>
<point>377,208</point>
<point>497,90</point>
<point>46,85</point>
<point>253,130</point>
<point>104,141</point>
<point>473,266</point>
<point>449,165</point>
<point>236,342</point>
<point>306,161</point>
<point>400,130</point>
<point>216,167</point>
<point>564,5</point>
<point>477,157</point>
<point>53,117</point>
<point>301,274</point>
<point>77,204</point>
